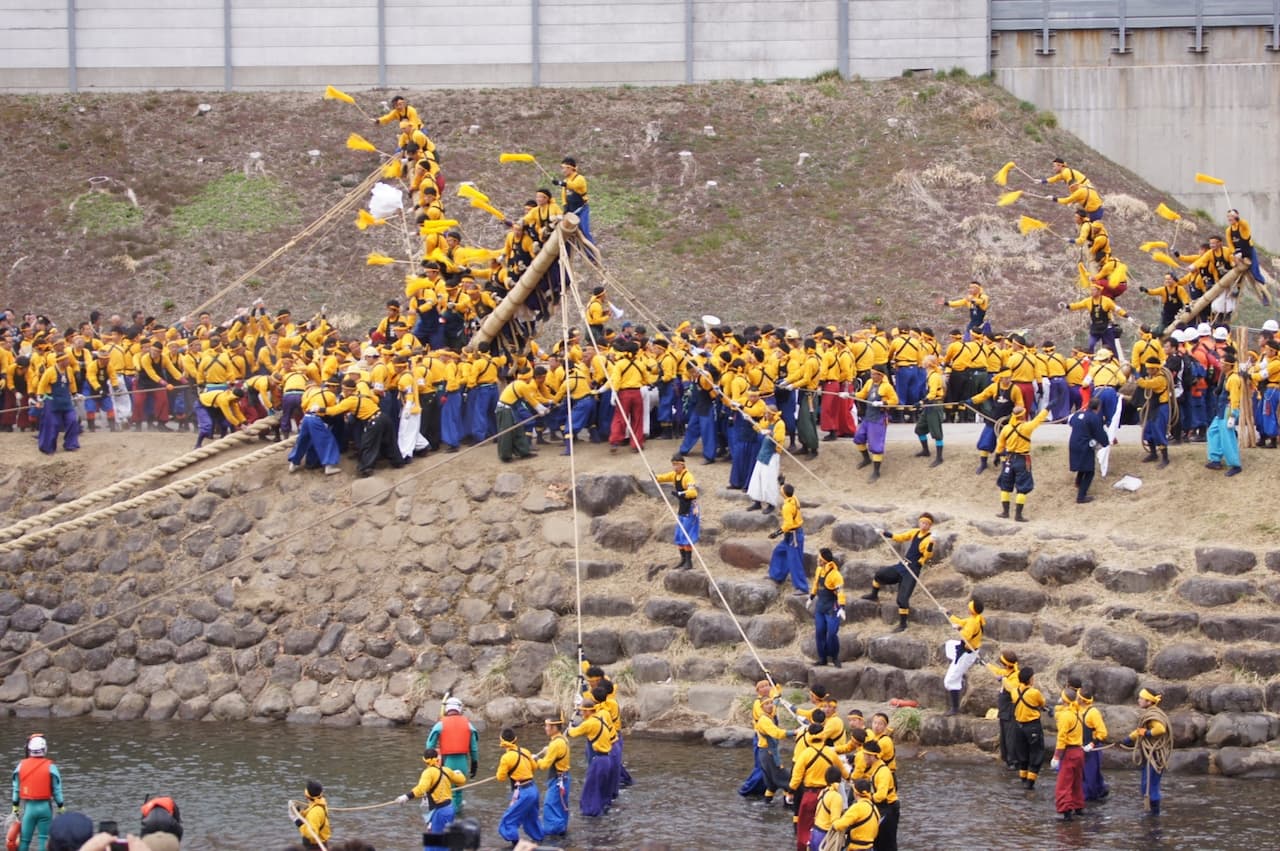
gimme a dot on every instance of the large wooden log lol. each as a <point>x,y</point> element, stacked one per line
<point>1225,283</point>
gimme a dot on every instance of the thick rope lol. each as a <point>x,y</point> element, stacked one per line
<point>1157,749</point>
<point>570,437</point>
<point>297,816</point>
<point>92,519</point>
<point>124,486</point>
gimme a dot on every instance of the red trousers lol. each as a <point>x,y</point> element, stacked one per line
<point>629,407</point>
<point>150,404</point>
<point>837,413</point>
<point>804,817</point>
<point>1068,792</point>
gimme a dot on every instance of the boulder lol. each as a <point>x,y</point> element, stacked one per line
<point>771,631</point>
<point>548,590</point>
<point>1258,763</point>
<point>940,730</point>
<point>880,683</point>
<point>602,645</point>
<point>749,521</point>
<point>1207,591</point>
<point>713,700</point>
<point>1183,660</point>
<point>707,627</point>
<point>653,700</point>
<point>132,707</point>
<point>746,597</point>
<point>699,669</point>
<point>1012,598</point>
<point>729,737</point>
<point>981,562</point>
<point>1242,729</point>
<point>1188,727</point>
<point>1263,661</point>
<point>746,553</point>
<point>784,669</point>
<point>1141,581</point>
<point>230,707</point>
<point>1228,560</point>
<point>899,650</point>
<point>606,606</point>
<point>1227,698</point>
<point>394,709</point>
<point>524,673</point>
<point>594,569</point>
<point>600,493</point>
<point>536,625</point>
<point>1064,569</point>
<point>28,619</point>
<point>1123,648</point>
<point>273,702</point>
<point>856,536</point>
<point>841,683</point>
<point>636,642</point>
<point>669,611</point>
<point>1111,684</point>
<point>851,646</point>
<point>1169,623</point>
<point>505,712</point>
<point>1190,761</point>
<point>620,533</point>
<point>691,582</point>
<point>650,668</point>
<point>1066,635</point>
<point>1009,628</point>
<point>1241,627</point>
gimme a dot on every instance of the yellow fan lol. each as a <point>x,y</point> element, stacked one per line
<point>1002,176</point>
<point>1200,178</point>
<point>440,257</point>
<point>469,191</point>
<point>330,93</point>
<point>1161,257</point>
<point>473,255</point>
<point>1008,198</point>
<point>517,158</point>
<point>365,219</point>
<point>1082,276</point>
<point>1165,213</point>
<point>391,170</point>
<point>356,142</point>
<point>437,225</point>
<point>1155,243</point>
<point>1026,224</point>
<point>489,208</point>
<point>379,260</point>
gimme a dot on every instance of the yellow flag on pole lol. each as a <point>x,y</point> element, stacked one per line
<point>1204,178</point>
<point>330,93</point>
<point>470,255</point>
<point>1161,257</point>
<point>1002,176</point>
<point>516,158</point>
<point>437,225</point>
<point>365,219</point>
<point>1009,197</point>
<point>1167,214</point>
<point>488,208</point>
<point>1026,225</point>
<point>1082,277</point>
<point>356,142</point>
<point>469,191</point>
<point>379,260</point>
<point>1155,243</point>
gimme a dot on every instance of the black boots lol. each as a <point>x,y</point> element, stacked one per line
<point>875,471</point>
<point>938,456</point>
<point>902,623</point>
<point>1017,513</point>
<point>982,465</point>
<point>924,449</point>
<point>1164,457</point>
<point>1004,509</point>
<point>873,595</point>
<point>754,506</point>
<point>955,703</point>
<point>866,460</point>
<point>686,560</point>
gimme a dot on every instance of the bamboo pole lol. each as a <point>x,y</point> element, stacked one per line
<point>506,309</point>
<point>1245,429</point>
<point>1225,283</point>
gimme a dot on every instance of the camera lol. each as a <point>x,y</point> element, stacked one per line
<point>460,835</point>
<point>113,828</point>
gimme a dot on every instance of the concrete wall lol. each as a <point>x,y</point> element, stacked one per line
<point>1166,113</point>
<point>281,44</point>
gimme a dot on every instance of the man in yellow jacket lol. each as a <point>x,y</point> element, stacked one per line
<point>313,821</point>
<point>1068,757</point>
<point>906,571</point>
<point>517,766</point>
<point>1014,444</point>
<point>826,601</point>
<point>435,788</point>
<point>788,556</point>
<point>963,651</point>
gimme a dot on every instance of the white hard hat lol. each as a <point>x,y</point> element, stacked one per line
<point>453,704</point>
<point>1271,325</point>
<point>1185,336</point>
<point>1203,330</point>
<point>1220,333</point>
<point>36,745</point>
<point>370,352</point>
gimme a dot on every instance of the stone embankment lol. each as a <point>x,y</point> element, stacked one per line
<point>201,608</point>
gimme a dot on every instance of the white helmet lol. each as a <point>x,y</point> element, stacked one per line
<point>37,746</point>
<point>453,704</point>
<point>1271,325</point>
<point>1204,330</point>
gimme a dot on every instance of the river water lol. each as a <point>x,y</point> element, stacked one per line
<point>232,783</point>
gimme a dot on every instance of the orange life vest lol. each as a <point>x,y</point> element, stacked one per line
<point>164,803</point>
<point>455,735</point>
<point>35,781</point>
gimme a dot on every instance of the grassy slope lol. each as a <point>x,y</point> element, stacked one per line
<point>893,202</point>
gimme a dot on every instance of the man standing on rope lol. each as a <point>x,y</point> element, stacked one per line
<point>929,421</point>
<point>1095,734</point>
<point>435,788</point>
<point>555,761</point>
<point>878,394</point>
<point>1014,444</point>
<point>36,785</point>
<point>517,765</point>
<point>963,651</point>
<point>788,555</point>
<point>1028,749</point>
<point>906,571</point>
<point>1087,434</point>
<point>1068,757</point>
<point>688,512</point>
<point>826,601</point>
<point>1152,744</point>
<point>977,303</point>
<point>457,741</point>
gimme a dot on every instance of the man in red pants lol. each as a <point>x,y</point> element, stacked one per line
<point>1068,757</point>
<point>628,375</point>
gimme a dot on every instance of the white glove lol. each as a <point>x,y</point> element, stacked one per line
<point>1054,763</point>
<point>844,395</point>
<point>808,604</point>
<point>577,700</point>
<point>876,404</point>
<point>1088,748</point>
<point>403,799</point>
<point>840,614</point>
<point>314,409</point>
<point>541,409</point>
<point>1231,422</point>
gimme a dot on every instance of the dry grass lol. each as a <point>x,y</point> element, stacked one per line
<point>1126,207</point>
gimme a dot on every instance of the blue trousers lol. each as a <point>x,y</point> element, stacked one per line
<point>480,405</point>
<point>584,413</point>
<point>1109,399</point>
<point>1156,431</point>
<point>826,631</point>
<point>1095,787</point>
<point>744,445</point>
<point>522,813</point>
<point>555,805</point>
<point>702,427</point>
<point>36,816</point>
<point>452,430</point>
<point>54,423</point>
<point>1149,782</point>
<point>788,560</point>
<point>1059,398</point>
<point>315,445</point>
<point>437,820</point>
<point>1268,423</point>
<point>786,402</point>
<point>595,798</point>
<point>1222,442</point>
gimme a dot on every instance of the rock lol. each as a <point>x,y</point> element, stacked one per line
<point>1111,684</point>
<point>941,730</point>
<point>1062,569</point>
<point>1228,560</point>
<point>231,521</point>
<point>548,590</point>
<point>1142,581</point>
<point>273,702</point>
<point>706,628</point>
<point>189,681</point>
<point>729,737</point>
<point>648,641</point>
<point>524,672</point>
<point>746,597</point>
<point>600,493</point>
<point>691,582</point>
<point>601,645</point>
<point>746,553</point>
<point>1273,561</point>
<point>69,612</point>
<point>28,619</point>
<point>653,700</point>
<point>1183,660</point>
<point>202,508</point>
<point>699,669</point>
<point>785,669</point>
<point>856,536</point>
<point>131,707</point>
<point>536,625</point>
<point>299,642</point>
<point>369,492</point>
<point>94,635</point>
<point>771,631</point>
<point>669,611</point>
<point>1009,628</point>
<point>1227,698</point>
<point>394,709</point>
<point>155,652</point>
<point>230,707</point>
<point>1191,761</point>
<point>508,484</point>
<point>1257,763</point>
<point>606,606</point>
<point>1188,728</point>
<point>1125,649</point>
<point>594,569</point>
<point>1263,661</point>
<point>489,633</point>
<point>121,672</point>
<point>1173,623</point>
<point>981,562</point>
<point>879,682</point>
<point>15,687</point>
<point>1001,596</point>
<point>1066,635</point>
<point>650,668</point>
<point>715,701</point>
<point>1241,628</point>
<point>621,533</point>
<point>899,650</point>
<point>505,712</point>
<point>749,521</point>
<point>1207,591</point>
<point>1243,729</point>
<point>472,610</point>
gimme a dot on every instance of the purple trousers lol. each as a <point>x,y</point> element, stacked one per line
<point>53,423</point>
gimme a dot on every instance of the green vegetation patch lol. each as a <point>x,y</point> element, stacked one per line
<point>99,213</point>
<point>236,203</point>
<point>637,216</point>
